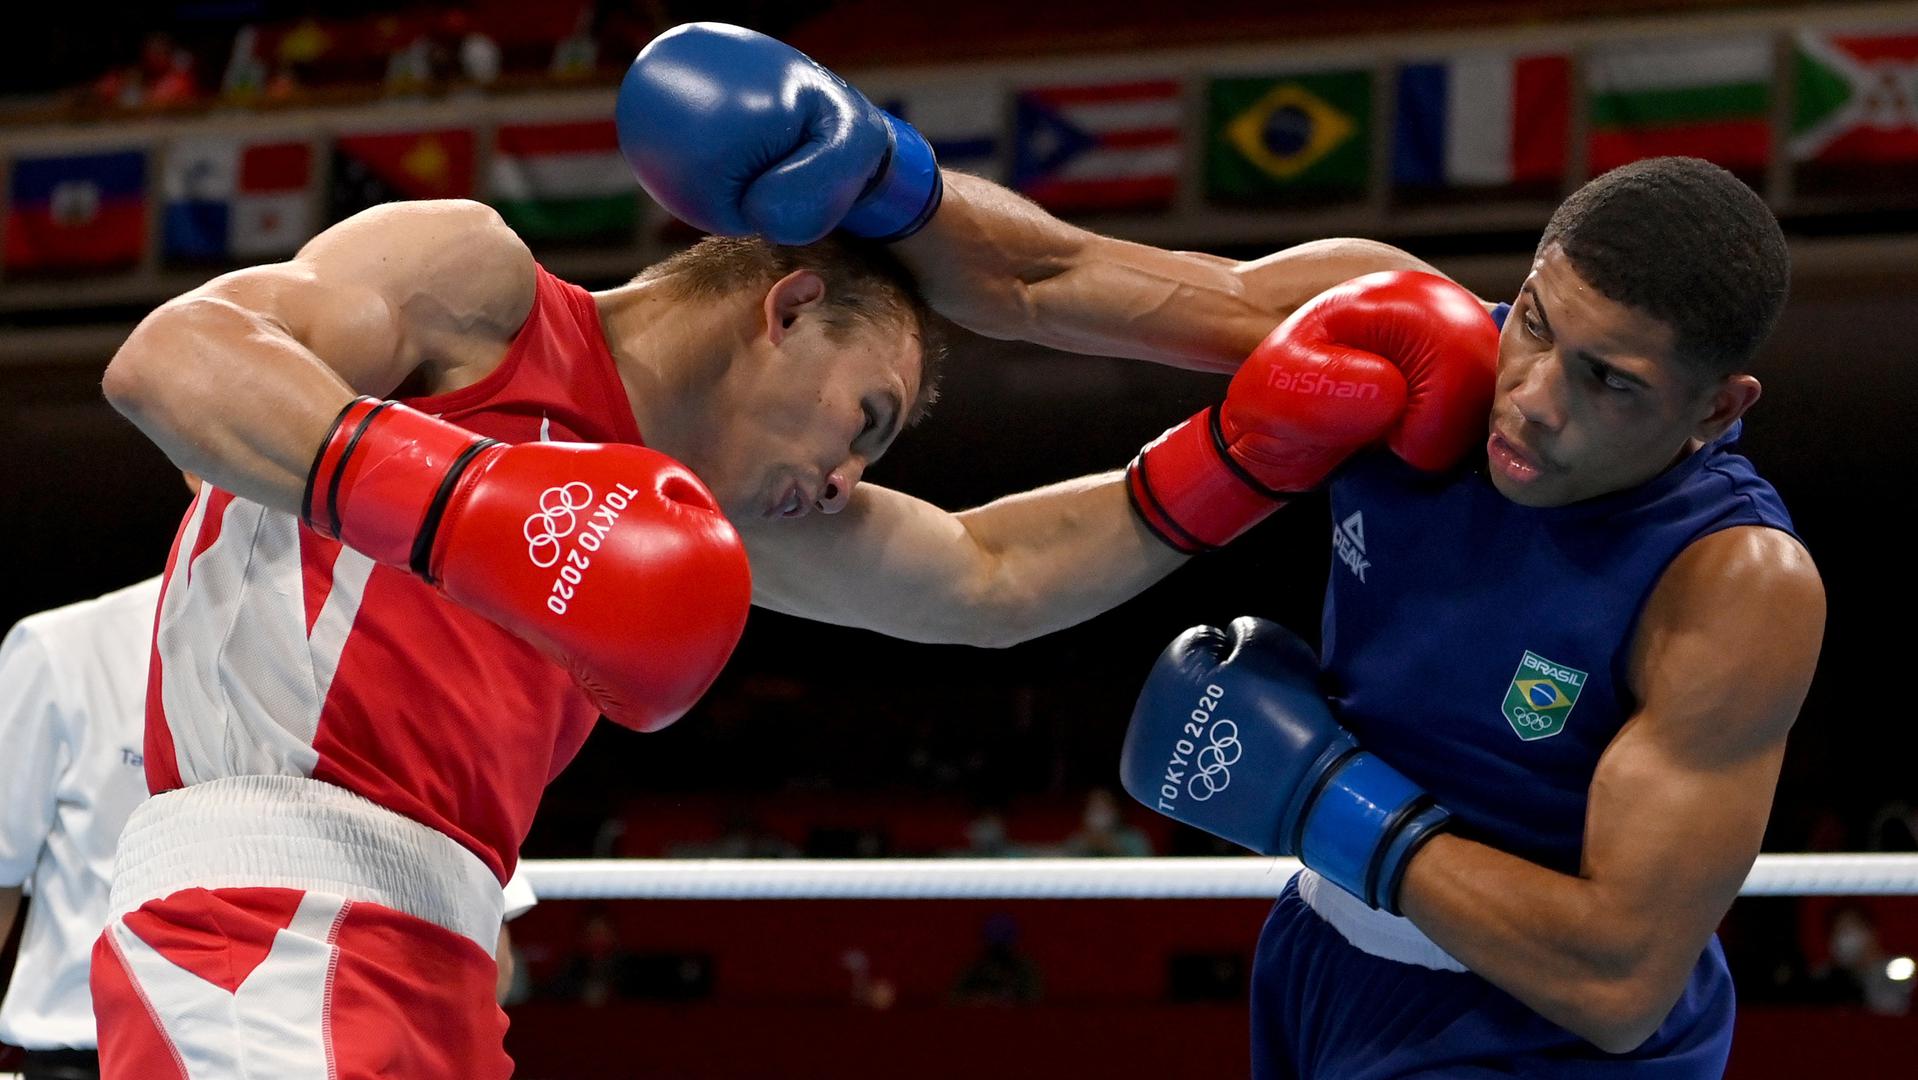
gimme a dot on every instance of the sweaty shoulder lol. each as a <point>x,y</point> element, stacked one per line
<point>1730,636</point>
<point>455,278</point>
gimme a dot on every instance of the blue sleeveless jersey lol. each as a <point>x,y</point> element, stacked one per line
<point>1481,647</point>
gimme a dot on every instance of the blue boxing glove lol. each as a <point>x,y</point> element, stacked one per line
<point>737,133</point>
<point>1231,735</point>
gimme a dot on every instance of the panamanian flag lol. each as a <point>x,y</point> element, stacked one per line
<point>77,211</point>
<point>227,199</point>
<point>1482,120</point>
<point>1095,147</point>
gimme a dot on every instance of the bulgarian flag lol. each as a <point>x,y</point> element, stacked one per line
<point>1482,120</point>
<point>1708,97</point>
<point>1857,99</point>
<point>563,181</point>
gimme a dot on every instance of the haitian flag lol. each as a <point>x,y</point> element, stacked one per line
<point>77,211</point>
<point>1708,98</point>
<point>226,199</point>
<point>1107,146</point>
<point>1277,136</point>
<point>1483,120</point>
<point>371,169</point>
<point>563,181</point>
<point>1856,101</point>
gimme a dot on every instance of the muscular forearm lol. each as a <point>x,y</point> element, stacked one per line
<point>1014,569</point>
<point>228,396</point>
<point>1557,943</point>
<point>1063,554</point>
<point>1000,266</point>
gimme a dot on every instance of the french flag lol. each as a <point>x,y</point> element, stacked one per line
<point>1482,120</point>
<point>1112,146</point>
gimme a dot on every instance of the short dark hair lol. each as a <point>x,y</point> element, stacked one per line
<point>866,285</point>
<point>1687,243</point>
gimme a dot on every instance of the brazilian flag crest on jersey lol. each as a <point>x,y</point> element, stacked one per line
<point>1541,697</point>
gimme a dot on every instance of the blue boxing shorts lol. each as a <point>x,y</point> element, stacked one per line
<point>1325,1009</point>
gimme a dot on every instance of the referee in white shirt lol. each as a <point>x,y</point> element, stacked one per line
<point>73,684</point>
<point>72,710</point>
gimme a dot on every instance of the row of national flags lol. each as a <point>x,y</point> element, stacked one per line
<point>1481,121</point>
<point>1488,123</point>
<point>227,199</point>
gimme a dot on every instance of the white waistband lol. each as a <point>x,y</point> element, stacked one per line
<point>292,832</point>
<point>1369,930</point>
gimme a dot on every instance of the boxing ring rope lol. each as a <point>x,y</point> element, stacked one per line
<point>1170,878</point>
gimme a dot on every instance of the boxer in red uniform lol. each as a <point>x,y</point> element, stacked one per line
<point>387,624</point>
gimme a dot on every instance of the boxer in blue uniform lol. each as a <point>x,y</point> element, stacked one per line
<point>1535,763</point>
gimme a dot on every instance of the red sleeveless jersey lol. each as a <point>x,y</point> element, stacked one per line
<point>278,651</point>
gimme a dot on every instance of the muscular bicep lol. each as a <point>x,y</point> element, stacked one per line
<point>441,285</point>
<point>239,379</point>
<point>1721,663</point>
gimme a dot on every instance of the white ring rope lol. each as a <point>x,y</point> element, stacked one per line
<point>1244,877</point>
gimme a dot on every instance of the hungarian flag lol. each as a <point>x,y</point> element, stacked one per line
<point>226,199</point>
<point>371,169</point>
<point>1482,120</point>
<point>1707,97</point>
<point>77,211</point>
<point>1857,99</point>
<point>1271,137</point>
<point>1106,146</point>
<point>563,181</point>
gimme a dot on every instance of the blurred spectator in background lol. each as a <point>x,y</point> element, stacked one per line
<point>599,970</point>
<point>1893,828</point>
<point>1001,974</point>
<point>165,75</point>
<point>1857,968</point>
<point>869,991</point>
<point>744,837</point>
<point>576,56</point>
<point>1103,833</point>
<point>986,838</point>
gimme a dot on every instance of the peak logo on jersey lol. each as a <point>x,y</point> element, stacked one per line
<point>1541,697</point>
<point>1348,539</point>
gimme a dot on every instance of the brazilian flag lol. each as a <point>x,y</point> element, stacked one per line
<point>1278,136</point>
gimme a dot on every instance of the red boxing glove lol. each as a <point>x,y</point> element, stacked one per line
<point>613,560</point>
<point>1400,355</point>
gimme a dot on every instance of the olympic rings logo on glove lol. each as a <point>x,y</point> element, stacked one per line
<point>1213,761</point>
<point>556,519</point>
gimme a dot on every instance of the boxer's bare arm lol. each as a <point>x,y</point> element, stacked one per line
<point>9,910</point>
<point>1013,569</point>
<point>1036,562</point>
<point>1721,663</point>
<point>1000,266</point>
<point>239,379</point>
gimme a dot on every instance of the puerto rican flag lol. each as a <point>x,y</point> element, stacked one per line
<point>1483,120</point>
<point>1109,146</point>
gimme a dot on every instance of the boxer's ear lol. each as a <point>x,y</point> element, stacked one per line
<point>790,297</point>
<point>1723,404</point>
